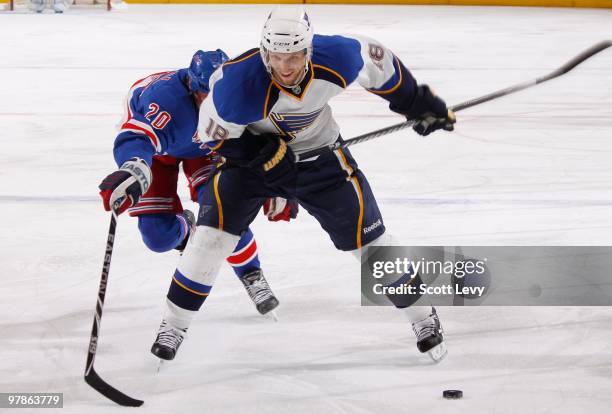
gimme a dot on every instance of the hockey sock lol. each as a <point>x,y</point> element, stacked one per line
<point>186,293</point>
<point>178,317</point>
<point>416,313</point>
<point>197,271</point>
<point>403,302</point>
<point>245,259</point>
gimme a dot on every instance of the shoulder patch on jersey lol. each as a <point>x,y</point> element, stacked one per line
<point>241,95</point>
<point>337,59</point>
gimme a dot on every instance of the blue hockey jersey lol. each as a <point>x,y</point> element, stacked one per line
<point>244,95</point>
<point>161,118</point>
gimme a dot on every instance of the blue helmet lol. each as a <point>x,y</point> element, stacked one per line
<point>203,64</point>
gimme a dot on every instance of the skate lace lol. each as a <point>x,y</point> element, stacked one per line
<point>258,290</point>
<point>170,336</point>
<point>425,328</point>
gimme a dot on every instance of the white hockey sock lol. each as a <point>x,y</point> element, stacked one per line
<point>178,317</point>
<point>204,254</point>
<point>206,250</point>
<point>416,313</point>
<point>413,313</point>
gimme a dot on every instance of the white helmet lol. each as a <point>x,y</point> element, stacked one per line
<point>287,30</point>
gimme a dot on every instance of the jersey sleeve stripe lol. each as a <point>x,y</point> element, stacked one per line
<point>137,126</point>
<point>398,71</point>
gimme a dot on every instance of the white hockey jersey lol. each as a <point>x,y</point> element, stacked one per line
<point>244,95</point>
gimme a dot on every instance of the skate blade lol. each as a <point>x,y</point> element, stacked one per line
<point>438,352</point>
<point>272,315</point>
<point>159,365</point>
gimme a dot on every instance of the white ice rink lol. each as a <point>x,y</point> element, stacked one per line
<point>534,168</point>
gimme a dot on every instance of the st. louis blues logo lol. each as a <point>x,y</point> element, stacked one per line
<point>290,124</point>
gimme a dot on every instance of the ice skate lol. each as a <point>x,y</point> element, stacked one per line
<point>168,341</point>
<point>430,336</point>
<point>258,289</point>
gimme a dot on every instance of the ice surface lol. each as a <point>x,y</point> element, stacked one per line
<point>530,169</point>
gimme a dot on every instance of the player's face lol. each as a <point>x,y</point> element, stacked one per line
<point>288,68</point>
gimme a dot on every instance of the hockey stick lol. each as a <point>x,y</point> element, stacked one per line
<point>467,104</point>
<point>91,376</point>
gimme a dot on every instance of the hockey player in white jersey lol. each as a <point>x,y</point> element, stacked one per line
<point>270,103</point>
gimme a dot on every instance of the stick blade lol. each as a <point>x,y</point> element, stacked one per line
<point>113,394</point>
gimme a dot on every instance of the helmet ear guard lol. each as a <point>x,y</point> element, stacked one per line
<point>202,65</point>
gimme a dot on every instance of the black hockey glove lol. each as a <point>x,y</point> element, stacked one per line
<point>429,113</point>
<point>122,189</point>
<point>275,162</point>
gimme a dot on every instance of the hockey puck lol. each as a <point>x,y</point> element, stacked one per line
<point>452,394</point>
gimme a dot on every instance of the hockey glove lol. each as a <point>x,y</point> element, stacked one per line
<point>278,208</point>
<point>430,113</point>
<point>275,162</point>
<point>122,189</point>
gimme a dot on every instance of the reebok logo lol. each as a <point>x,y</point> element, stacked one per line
<point>372,226</point>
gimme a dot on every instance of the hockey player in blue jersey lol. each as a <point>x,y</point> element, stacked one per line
<point>158,133</point>
<point>271,103</point>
